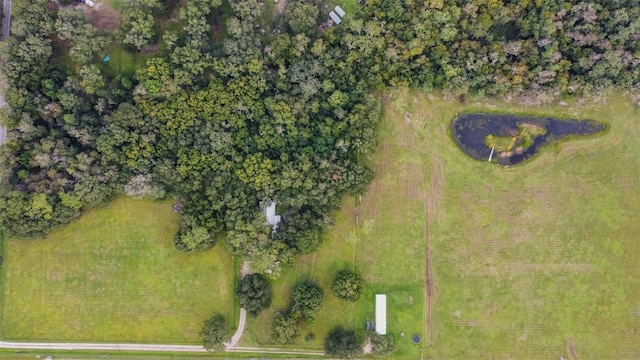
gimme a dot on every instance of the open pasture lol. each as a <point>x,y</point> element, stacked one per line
<point>538,260</point>
<point>113,275</point>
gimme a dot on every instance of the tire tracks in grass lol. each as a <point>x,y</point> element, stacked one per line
<point>431,203</point>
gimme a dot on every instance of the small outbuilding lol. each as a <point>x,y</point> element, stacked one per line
<point>381,314</point>
<point>340,11</point>
<point>270,214</point>
<point>336,19</point>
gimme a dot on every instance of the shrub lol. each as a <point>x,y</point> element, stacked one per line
<point>342,343</point>
<point>348,286</point>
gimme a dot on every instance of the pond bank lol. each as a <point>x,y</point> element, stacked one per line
<point>514,138</point>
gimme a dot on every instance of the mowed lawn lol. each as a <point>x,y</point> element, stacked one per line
<point>113,275</point>
<point>540,260</point>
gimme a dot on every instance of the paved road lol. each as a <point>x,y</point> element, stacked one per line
<point>6,20</point>
<point>3,130</point>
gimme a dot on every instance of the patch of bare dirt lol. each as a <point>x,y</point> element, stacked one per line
<point>368,347</point>
<point>151,49</point>
<point>431,202</point>
<point>103,16</point>
<point>280,6</point>
<point>571,348</point>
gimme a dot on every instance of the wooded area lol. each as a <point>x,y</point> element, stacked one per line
<point>261,115</point>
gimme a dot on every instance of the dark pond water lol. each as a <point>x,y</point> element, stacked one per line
<point>469,132</point>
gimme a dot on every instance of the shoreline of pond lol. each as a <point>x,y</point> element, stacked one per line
<point>470,130</point>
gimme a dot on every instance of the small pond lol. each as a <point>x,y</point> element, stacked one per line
<point>513,138</point>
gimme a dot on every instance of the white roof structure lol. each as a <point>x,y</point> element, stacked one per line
<point>335,18</point>
<point>381,314</point>
<point>272,218</point>
<point>340,11</point>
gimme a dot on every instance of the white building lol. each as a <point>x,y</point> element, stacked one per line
<point>336,19</point>
<point>381,314</point>
<point>270,214</point>
<point>340,11</point>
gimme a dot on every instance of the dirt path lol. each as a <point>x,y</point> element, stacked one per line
<point>146,347</point>
<point>431,203</point>
<point>244,271</point>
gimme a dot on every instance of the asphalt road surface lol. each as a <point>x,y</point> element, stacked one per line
<point>6,20</point>
<point>3,130</point>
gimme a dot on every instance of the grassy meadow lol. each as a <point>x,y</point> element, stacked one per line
<point>538,260</point>
<point>113,275</point>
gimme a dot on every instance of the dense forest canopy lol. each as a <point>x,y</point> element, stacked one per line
<point>271,111</point>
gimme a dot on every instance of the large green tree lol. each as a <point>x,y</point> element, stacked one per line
<point>348,286</point>
<point>342,343</point>
<point>308,299</point>
<point>284,329</point>
<point>254,292</point>
<point>215,333</point>
<point>382,345</point>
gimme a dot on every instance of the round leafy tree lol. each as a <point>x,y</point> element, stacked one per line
<point>342,343</point>
<point>215,333</point>
<point>284,329</point>
<point>308,299</point>
<point>255,293</point>
<point>382,344</point>
<point>302,17</point>
<point>348,286</point>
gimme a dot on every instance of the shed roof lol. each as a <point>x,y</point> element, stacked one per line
<point>381,314</point>
<point>335,18</point>
<point>340,11</point>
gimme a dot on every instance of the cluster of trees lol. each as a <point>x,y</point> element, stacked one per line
<point>51,166</point>
<point>225,126</point>
<point>497,47</point>
<point>215,333</point>
<point>308,299</point>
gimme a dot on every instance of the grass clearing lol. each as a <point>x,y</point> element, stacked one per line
<point>113,275</point>
<point>539,260</point>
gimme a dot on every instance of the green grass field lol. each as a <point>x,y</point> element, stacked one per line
<point>538,260</point>
<point>534,261</point>
<point>113,275</point>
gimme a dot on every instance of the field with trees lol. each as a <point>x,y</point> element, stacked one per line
<point>226,106</point>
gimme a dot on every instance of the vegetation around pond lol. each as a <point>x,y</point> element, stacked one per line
<point>513,138</point>
<point>517,142</point>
